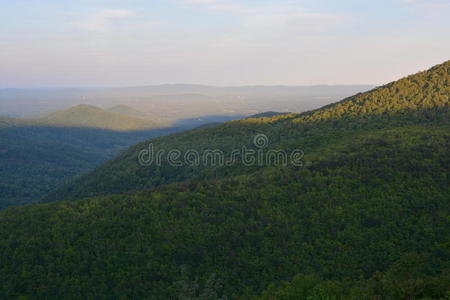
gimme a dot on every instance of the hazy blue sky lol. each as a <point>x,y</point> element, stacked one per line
<point>224,42</point>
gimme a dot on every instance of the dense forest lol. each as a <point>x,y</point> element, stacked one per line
<point>36,155</point>
<point>370,219</point>
<point>365,216</point>
<point>36,159</point>
<point>420,99</point>
<point>85,116</point>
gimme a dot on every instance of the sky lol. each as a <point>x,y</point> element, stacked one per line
<point>92,43</point>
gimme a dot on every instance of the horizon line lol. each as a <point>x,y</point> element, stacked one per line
<point>184,84</point>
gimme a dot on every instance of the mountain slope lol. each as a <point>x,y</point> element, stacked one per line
<point>94,117</point>
<point>425,90</point>
<point>376,204</point>
<point>127,110</point>
<point>36,155</point>
<point>422,98</point>
<point>366,216</point>
<point>84,116</point>
<point>36,159</point>
<point>267,114</point>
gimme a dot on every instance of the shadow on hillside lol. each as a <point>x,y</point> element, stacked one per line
<point>205,120</point>
<point>36,159</point>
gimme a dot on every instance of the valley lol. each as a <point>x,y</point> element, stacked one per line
<point>366,216</point>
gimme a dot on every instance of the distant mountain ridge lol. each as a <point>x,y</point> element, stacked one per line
<point>86,116</point>
<point>175,102</point>
<point>363,214</point>
<point>248,90</point>
<point>395,104</point>
<point>127,110</point>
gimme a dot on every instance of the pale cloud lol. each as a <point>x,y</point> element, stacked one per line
<point>102,21</point>
<point>430,11</point>
<point>232,8</point>
<point>201,1</point>
<point>429,3</point>
<point>236,7</point>
<point>275,26</point>
<point>425,1</point>
<point>272,16</point>
<point>300,21</point>
<point>270,42</point>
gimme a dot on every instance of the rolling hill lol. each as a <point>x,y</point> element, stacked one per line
<point>36,155</point>
<point>422,98</point>
<point>364,214</point>
<point>172,102</point>
<point>369,221</point>
<point>84,116</point>
<point>127,110</point>
<point>88,116</point>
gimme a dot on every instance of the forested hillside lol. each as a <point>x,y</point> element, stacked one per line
<point>127,110</point>
<point>367,220</point>
<point>365,215</point>
<point>36,159</point>
<point>422,99</point>
<point>36,155</point>
<point>85,116</point>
